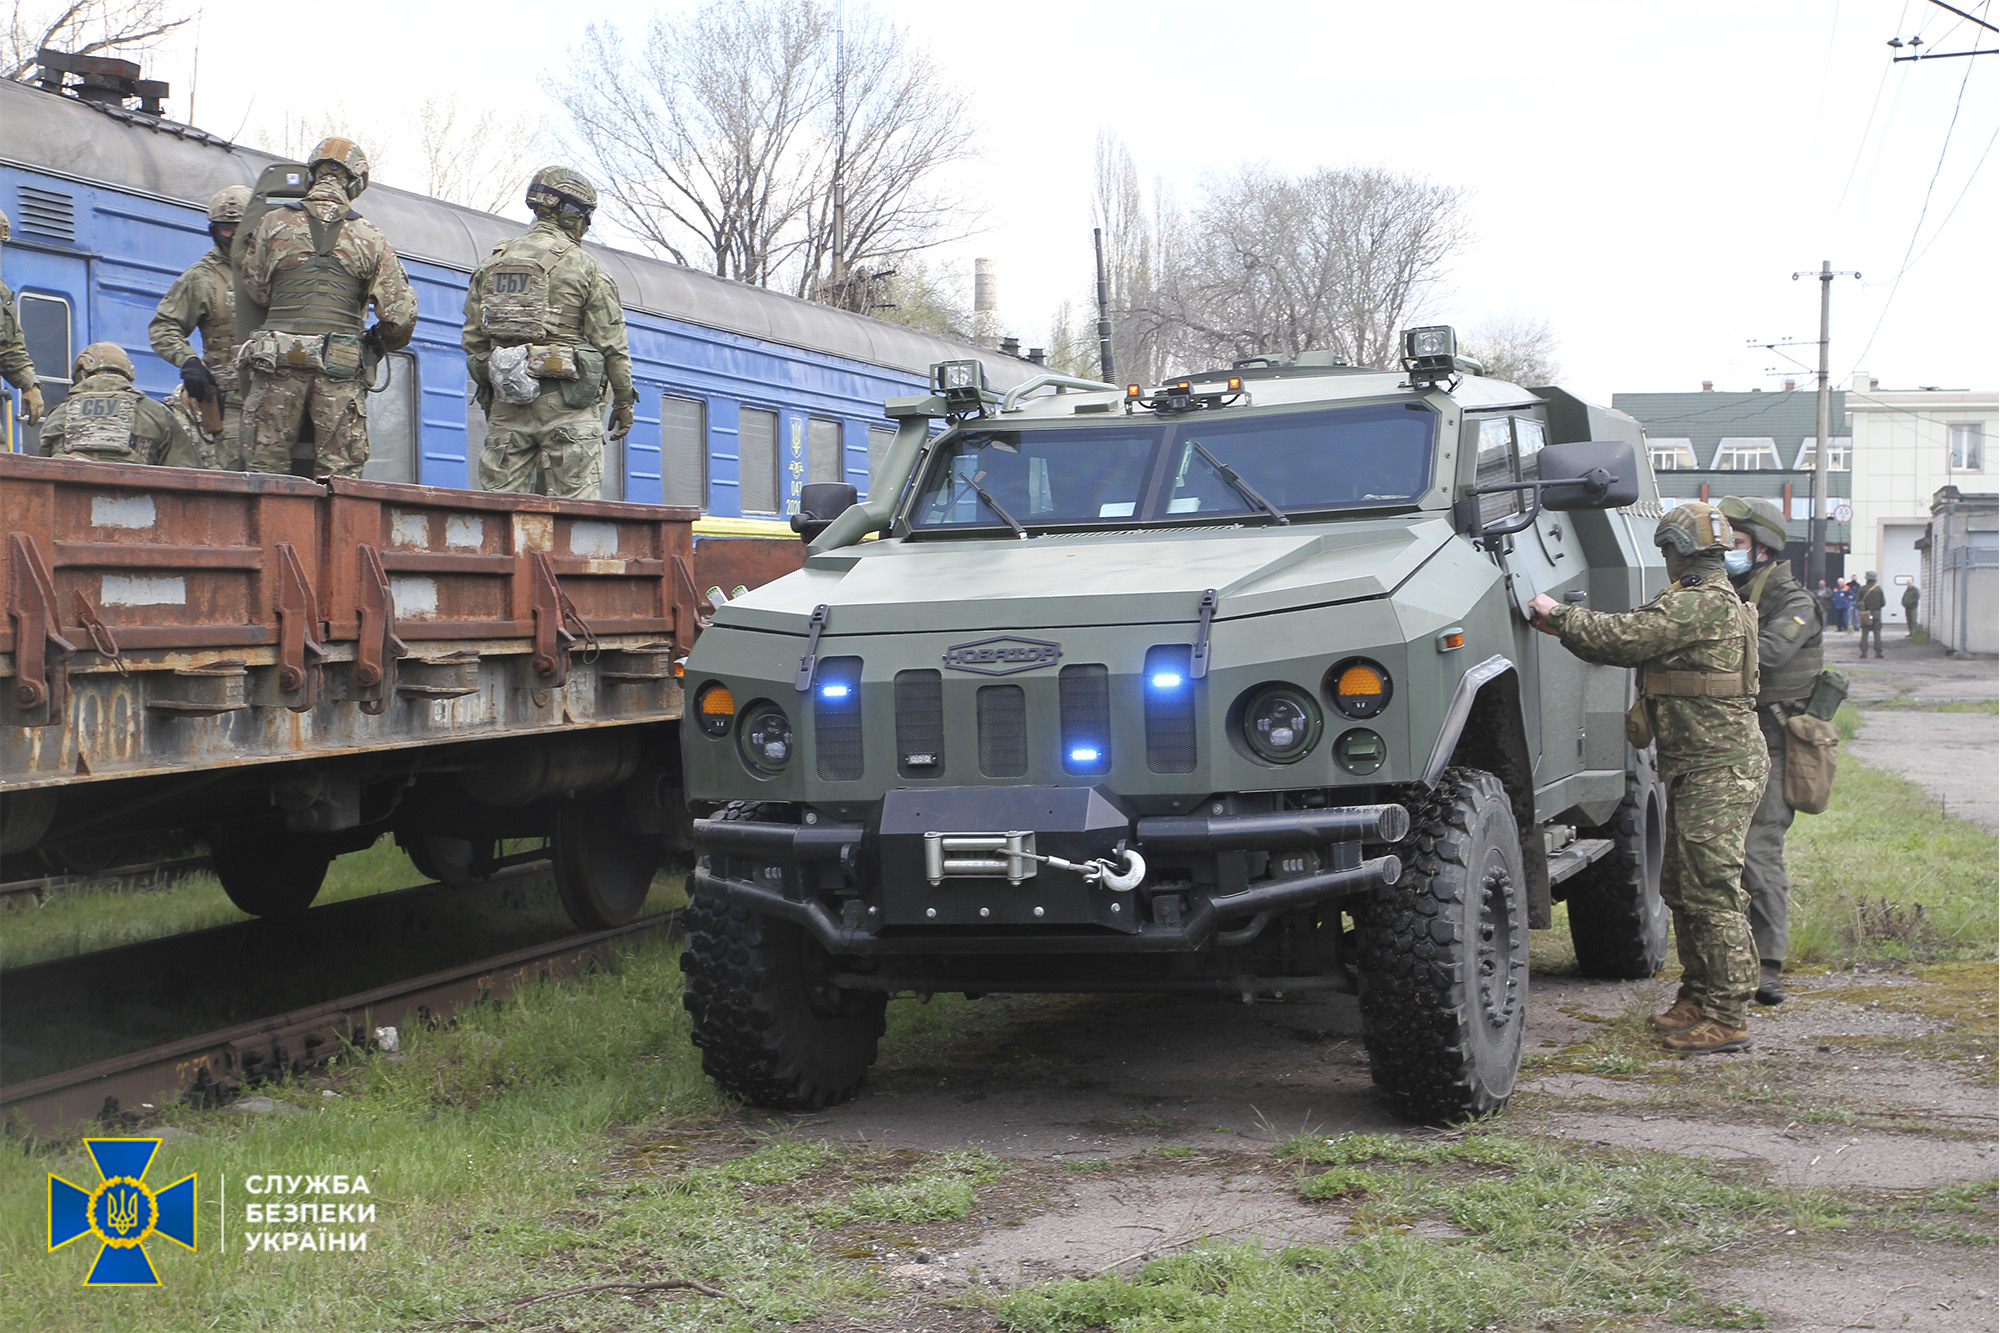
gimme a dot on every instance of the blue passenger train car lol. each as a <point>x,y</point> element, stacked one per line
<point>744,394</point>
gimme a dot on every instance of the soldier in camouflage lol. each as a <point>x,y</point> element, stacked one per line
<point>204,298</point>
<point>14,362</point>
<point>317,265</point>
<point>1789,657</point>
<point>107,420</point>
<point>544,339</point>
<point>1870,600</point>
<point>1696,646</point>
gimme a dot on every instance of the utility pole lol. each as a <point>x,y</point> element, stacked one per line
<point>839,266</point>
<point>1816,531</point>
<point>1104,364</point>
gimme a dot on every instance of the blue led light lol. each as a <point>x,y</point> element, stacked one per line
<point>1167,680</point>
<point>1083,755</point>
<point>834,691</point>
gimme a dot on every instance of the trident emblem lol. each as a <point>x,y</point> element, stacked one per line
<point>121,1212</point>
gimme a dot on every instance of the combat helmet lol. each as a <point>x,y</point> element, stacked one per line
<point>552,187</point>
<point>1758,517</point>
<point>227,204</point>
<point>99,357</point>
<point>1692,527</point>
<point>346,154</point>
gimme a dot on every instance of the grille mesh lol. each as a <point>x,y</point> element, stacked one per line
<point>1170,729</point>
<point>837,722</point>
<point>1003,731</point>
<point>920,723</point>
<point>48,213</point>
<point>1086,718</point>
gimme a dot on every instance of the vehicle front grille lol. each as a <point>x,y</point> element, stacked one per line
<point>1003,731</point>
<point>920,724</point>
<point>1170,721</point>
<point>837,718</point>
<point>1085,696</point>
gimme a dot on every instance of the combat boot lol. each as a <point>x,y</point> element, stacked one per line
<point>1681,1015</point>
<point>1708,1037</point>
<point>1770,985</point>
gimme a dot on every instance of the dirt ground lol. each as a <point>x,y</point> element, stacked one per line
<point>1843,1090</point>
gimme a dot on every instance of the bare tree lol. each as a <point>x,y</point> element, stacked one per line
<point>481,161</point>
<point>1517,349</point>
<point>933,299</point>
<point>718,140</point>
<point>295,136</point>
<point>86,27</point>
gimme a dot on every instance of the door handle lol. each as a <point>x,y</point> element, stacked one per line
<point>1576,595</point>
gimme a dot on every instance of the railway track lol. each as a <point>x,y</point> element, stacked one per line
<point>148,875</point>
<point>215,1067</point>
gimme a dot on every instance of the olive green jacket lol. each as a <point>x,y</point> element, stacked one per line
<point>14,362</point>
<point>202,298</point>
<point>1789,631</point>
<point>156,437</point>
<point>582,297</point>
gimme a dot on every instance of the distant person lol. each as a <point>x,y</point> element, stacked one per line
<point>1825,599</point>
<point>107,420</point>
<point>1872,600</point>
<point>317,265</point>
<point>15,363</point>
<point>1843,605</point>
<point>1789,657</point>
<point>1696,645</point>
<point>204,298</point>
<point>544,341</point>
<point>1910,599</point>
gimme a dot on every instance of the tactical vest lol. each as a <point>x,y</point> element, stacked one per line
<point>100,425</point>
<point>218,331</point>
<point>318,296</point>
<point>514,301</point>
<point>1736,684</point>
<point>1795,679</point>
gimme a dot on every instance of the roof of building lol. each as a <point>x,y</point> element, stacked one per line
<point>1787,417</point>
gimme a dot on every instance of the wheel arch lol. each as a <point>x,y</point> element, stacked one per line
<point>1485,728</point>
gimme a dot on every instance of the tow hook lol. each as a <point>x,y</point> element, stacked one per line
<point>1102,872</point>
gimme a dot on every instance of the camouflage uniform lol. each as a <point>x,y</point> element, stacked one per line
<point>1910,599</point>
<point>1871,601</point>
<point>1789,657</point>
<point>107,420</point>
<point>14,361</point>
<point>542,294</point>
<point>1696,646</point>
<point>204,298</point>
<point>307,359</point>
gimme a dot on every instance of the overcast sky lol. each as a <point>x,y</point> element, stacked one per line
<point>1646,179</point>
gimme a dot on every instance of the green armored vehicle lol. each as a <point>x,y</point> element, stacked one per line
<point>1225,687</point>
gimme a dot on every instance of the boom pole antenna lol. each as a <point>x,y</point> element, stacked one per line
<point>1103,311</point>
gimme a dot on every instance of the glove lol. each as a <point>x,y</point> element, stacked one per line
<point>621,421</point>
<point>31,397</point>
<point>199,381</point>
<point>372,340</point>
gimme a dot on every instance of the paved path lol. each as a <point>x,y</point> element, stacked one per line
<point>1953,756</point>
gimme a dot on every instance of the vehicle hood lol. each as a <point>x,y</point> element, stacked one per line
<point>1128,578</point>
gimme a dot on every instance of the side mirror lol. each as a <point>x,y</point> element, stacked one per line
<point>821,502</point>
<point>1589,474</point>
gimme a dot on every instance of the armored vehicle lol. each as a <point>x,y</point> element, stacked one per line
<point>1225,686</point>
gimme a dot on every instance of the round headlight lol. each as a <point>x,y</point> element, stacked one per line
<point>766,737</point>
<point>1358,687</point>
<point>714,707</point>
<point>1281,724</point>
<point>1360,751</point>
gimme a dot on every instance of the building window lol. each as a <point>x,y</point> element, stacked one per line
<point>1967,455</point>
<point>757,461</point>
<point>824,461</point>
<point>393,453</point>
<point>1671,455</point>
<point>1837,450</point>
<point>683,452</point>
<point>1746,453</point>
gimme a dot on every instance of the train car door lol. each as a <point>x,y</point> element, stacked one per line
<point>48,291</point>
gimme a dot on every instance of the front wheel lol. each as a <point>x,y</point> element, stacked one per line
<point>1444,956</point>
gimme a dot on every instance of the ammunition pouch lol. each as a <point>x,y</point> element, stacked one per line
<point>338,356</point>
<point>586,386</point>
<point>342,358</point>
<point>1639,723</point>
<point>1811,757</point>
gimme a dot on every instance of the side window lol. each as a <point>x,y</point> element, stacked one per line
<point>879,440</point>
<point>1495,467</point>
<point>1529,437</point>
<point>757,466</point>
<point>45,326</point>
<point>683,451</point>
<point>824,460</point>
<point>392,420</point>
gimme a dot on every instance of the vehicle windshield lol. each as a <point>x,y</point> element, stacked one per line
<point>1180,470</point>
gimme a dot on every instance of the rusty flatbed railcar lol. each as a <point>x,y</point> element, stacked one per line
<point>293,668</point>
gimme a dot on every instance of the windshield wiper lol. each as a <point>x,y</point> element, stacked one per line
<point>994,505</point>
<point>1242,487</point>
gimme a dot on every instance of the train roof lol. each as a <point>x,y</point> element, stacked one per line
<point>65,136</point>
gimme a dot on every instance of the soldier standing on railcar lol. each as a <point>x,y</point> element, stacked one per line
<point>14,361</point>
<point>106,419</point>
<point>544,338</point>
<point>204,298</point>
<point>316,265</point>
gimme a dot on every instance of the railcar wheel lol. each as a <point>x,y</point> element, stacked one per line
<point>771,1027</point>
<point>602,872</point>
<point>268,869</point>
<point>1617,919</point>
<point>1444,957</point>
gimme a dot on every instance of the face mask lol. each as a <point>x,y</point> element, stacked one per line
<point>1737,563</point>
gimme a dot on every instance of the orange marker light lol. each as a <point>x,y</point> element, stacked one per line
<point>718,702</point>
<point>1131,391</point>
<point>1359,682</point>
<point>1235,384</point>
<point>1453,641</point>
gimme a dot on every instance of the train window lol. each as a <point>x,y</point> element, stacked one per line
<point>879,440</point>
<point>45,327</point>
<point>683,451</point>
<point>825,459</point>
<point>392,420</point>
<point>757,465</point>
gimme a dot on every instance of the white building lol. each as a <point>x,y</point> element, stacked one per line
<point>1909,444</point>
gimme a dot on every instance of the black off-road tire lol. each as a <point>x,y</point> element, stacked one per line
<point>1444,956</point>
<point>266,868</point>
<point>771,1029</point>
<point>1617,919</point>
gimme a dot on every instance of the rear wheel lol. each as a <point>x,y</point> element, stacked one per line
<point>1444,956</point>
<point>268,869</point>
<point>603,873</point>
<point>1617,919</point>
